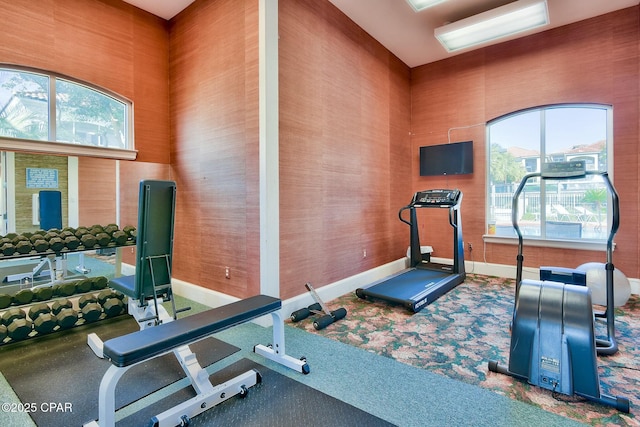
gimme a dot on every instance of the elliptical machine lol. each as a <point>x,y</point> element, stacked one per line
<point>553,343</point>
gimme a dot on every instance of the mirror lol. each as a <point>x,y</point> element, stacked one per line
<point>87,186</point>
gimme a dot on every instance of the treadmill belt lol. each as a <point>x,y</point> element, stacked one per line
<point>410,285</point>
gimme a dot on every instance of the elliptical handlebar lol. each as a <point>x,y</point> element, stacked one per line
<point>608,346</point>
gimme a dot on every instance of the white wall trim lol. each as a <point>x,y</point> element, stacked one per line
<point>350,284</point>
<point>269,148</point>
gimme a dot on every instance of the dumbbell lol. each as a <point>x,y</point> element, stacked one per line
<point>23,296</point>
<point>89,307</point>
<point>5,301</point>
<point>130,230</point>
<point>43,294</point>
<point>95,229</point>
<point>88,240</point>
<point>120,237</point>
<point>7,249</point>
<point>35,236</point>
<point>113,307</point>
<point>18,238</point>
<point>71,242</point>
<point>99,282</point>
<point>103,239</point>
<point>43,320</point>
<point>17,324</point>
<point>56,244</point>
<point>105,294</point>
<point>9,315</point>
<point>67,317</point>
<point>81,231</point>
<point>65,289</point>
<point>24,246</point>
<point>111,228</point>
<point>86,299</point>
<point>40,245</point>
<point>84,285</point>
<point>91,312</point>
<point>59,305</point>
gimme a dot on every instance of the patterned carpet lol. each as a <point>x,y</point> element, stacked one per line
<point>458,334</point>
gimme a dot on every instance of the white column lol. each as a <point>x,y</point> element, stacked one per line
<point>269,168</point>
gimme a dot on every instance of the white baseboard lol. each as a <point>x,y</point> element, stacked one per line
<point>213,298</point>
<point>501,270</point>
<point>331,291</point>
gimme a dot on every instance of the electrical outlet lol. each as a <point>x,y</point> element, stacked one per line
<point>364,253</point>
<point>227,273</point>
<point>470,247</point>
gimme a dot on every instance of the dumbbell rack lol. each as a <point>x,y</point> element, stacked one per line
<point>76,303</point>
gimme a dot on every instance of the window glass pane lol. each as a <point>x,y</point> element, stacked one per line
<point>24,105</point>
<point>571,209</point>
<point>515,151</point>
<point>577,133</point>
<point>88,117</point>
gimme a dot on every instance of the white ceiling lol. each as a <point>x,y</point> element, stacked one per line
<point>409,35</point>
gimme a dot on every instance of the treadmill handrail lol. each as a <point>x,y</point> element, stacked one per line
<point>402,209</point>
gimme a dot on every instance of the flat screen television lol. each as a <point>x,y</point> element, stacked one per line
<point>455,158</point>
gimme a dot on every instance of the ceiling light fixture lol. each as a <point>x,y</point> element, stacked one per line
<point>419,5</point>
<point>512,18</point>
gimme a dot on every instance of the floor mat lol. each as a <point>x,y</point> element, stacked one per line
<point>276,401</point>
<point>60,368</point>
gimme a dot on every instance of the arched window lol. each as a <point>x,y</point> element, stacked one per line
<point>83,120</point>
<point>550,210</point>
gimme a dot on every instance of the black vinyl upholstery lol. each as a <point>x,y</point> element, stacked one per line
<point>150,342</point>
<point>154,243</point>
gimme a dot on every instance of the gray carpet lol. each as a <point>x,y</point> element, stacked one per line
<point>397,393</point>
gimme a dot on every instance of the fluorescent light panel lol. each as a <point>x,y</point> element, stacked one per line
<point>419,5</point>
<point>512,18</point>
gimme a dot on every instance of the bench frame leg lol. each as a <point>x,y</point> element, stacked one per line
<point>277,351</point>
<point>207,395</point>
<point>203,401</point>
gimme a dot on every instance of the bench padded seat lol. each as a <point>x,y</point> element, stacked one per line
<point>151,342</point>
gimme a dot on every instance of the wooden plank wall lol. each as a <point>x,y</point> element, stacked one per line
<point>591,61</point>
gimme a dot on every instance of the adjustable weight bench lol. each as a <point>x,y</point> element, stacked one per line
<point>150,286</point>
<point>162,332</point>
<point>137,347</point>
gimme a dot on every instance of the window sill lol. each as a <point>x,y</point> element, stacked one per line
<point>584,245</point>
<point>46,147</point>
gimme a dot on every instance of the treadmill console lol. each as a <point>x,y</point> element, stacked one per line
<point>570,169</point>
<point>438,197</point>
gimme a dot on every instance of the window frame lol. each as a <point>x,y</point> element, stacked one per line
<point>581,244</point>
<point>51,146</point>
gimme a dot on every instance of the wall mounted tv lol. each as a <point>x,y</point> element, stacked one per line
<point>455,158</point>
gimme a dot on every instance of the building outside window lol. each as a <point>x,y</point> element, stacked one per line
<point>575,209</point>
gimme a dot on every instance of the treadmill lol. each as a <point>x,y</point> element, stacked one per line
<point>423,281</point>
